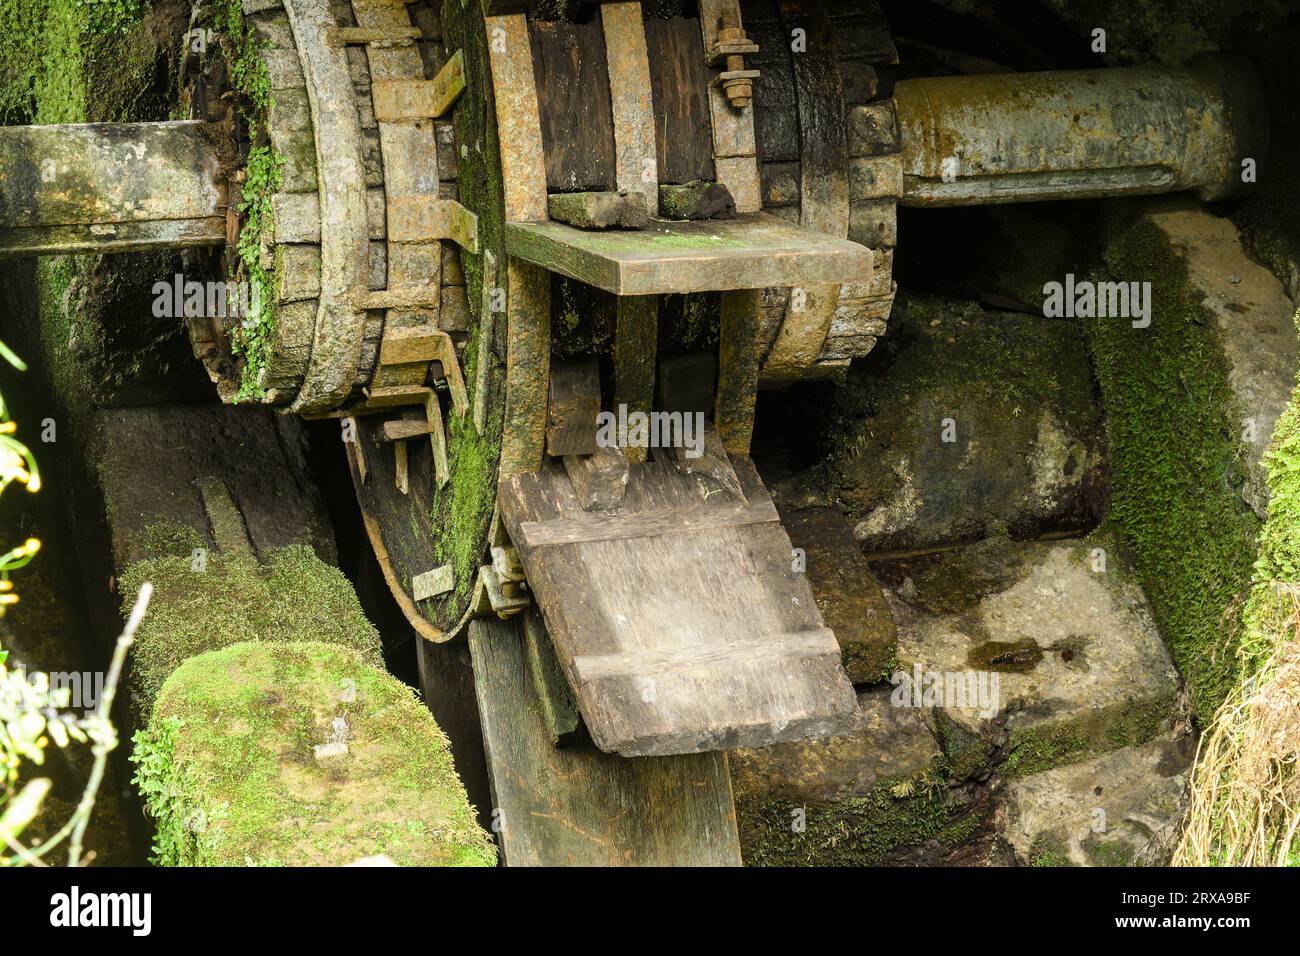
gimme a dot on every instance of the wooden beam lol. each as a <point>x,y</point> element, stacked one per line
<point>758,648</point>
<point>519,126</point>
<point>668,522</point>
<point>425,218</point>
<point>734,151</point>
<point>528,358</point>
<point>397,100</point>
<point>345,247</point>
<point>635,150</point>
<point>636,337</point>
<point>738,361</point>
<point>576,806</point>
<point>750,252</point>
<point>572,408</point>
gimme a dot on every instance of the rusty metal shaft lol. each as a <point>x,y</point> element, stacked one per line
<point>110,187</point>
<point>999,138</point>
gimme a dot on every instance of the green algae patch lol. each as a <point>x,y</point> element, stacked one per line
<point>230,771</point>
<point>216,600</point>
<point>855,831</point>
<point>1176,472</point>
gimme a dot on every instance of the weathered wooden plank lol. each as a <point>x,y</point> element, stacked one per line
<point>635,151</point>
<point>669,522</point>
<point>738,361</point>
<point>823,126</point>
<point>347,36</point>
<point>678,594</point>
<point>402,429</point>
<point>397,100</point>
<point>573,104</point>
<point>599,480</point>
<point>576,806</point>
<point>426,218</point>
<point>679,82</point>
<point>759,648</point>
<point>528,356</point>
<point>432,583</point>
<point>572,408</point>
<point>808,316</point>
<point>776,108</point>
<point>636,344</point>
<point>523,162</point>
<point>399,527</point>
<point>411,344</point>
<point>748,252</point>
<point>712,462</point>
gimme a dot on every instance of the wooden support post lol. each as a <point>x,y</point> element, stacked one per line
<point>635,347</point>
<point>519,126</point>
<point>528,364</point>
<point>573,407</point>
<point>738,359</point>
<point>635,163</point>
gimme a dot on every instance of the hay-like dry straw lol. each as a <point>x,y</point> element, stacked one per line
<point>1244,807</point>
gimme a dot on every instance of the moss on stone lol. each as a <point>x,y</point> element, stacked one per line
<point>955,398</point>
<point>1121,724</point>
<point>228,769</point>
<point>856,831</point>
<point>1046,852</point>
<point>294,596</point>
<point>1176,476</point>
<point>166,539</point>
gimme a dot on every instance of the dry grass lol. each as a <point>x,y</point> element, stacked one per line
<point>1245,791</point>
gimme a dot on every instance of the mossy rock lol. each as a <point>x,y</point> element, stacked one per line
<point>293,596</point>
<point>963,423</point>
<point>228,768</point>
<point>1176,468</point>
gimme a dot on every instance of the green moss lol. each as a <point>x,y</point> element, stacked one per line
<point>1108,852</point>
<point>252,338</point>
<point>294,596</point>
<point>1176,478</point>
<point>228,771</point>
<point>965,754</point>
<point>165,539</point>
<point>1054,744</point>
<point>857,831</point>
<point>1046,852</point>
<point>1279,540</point>
<point>467,501</point>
